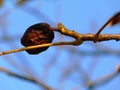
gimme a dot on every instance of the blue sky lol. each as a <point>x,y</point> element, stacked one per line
<point>82,16</point>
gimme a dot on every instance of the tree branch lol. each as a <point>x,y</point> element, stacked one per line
<point>107,23</point>
<point>105,79</point>
<point>79,38</point>
<point>25,78</point>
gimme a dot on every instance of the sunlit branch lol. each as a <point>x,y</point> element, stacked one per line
<point>104,25</point>
<point>79,39</point>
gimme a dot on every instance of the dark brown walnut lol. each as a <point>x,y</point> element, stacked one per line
<point>37,34</point>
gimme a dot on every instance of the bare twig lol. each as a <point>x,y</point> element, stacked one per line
<point>84,37</point>
<point>36,46</point>
<point>80,38</point>
<point>15,75</point>
<point>102,80</point>
<point>25,78</point>
<point>105,79</point>
<point>62,30</point>
<point>100,30</point>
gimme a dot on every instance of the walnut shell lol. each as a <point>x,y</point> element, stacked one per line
<point>36,34</point>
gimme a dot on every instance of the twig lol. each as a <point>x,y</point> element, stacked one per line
<point>104,79</point>
<point>62,30</point>
<point>85,37</point>
<point>24,78</point>
<point>36,46</point>
<point>80,38</point>
<point>100,30</point>
<point>15,75</point>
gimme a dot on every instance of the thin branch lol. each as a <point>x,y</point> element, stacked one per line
<point>80,38</point>
<point>102,80</point>
<point>60,29</point>
<point>25,78</point>
<point>36,46</point>
<point>84,37</point>
<point>63,30</point>
<point>105,79</point>
<point>16,75</point>
<point>104,25</point>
